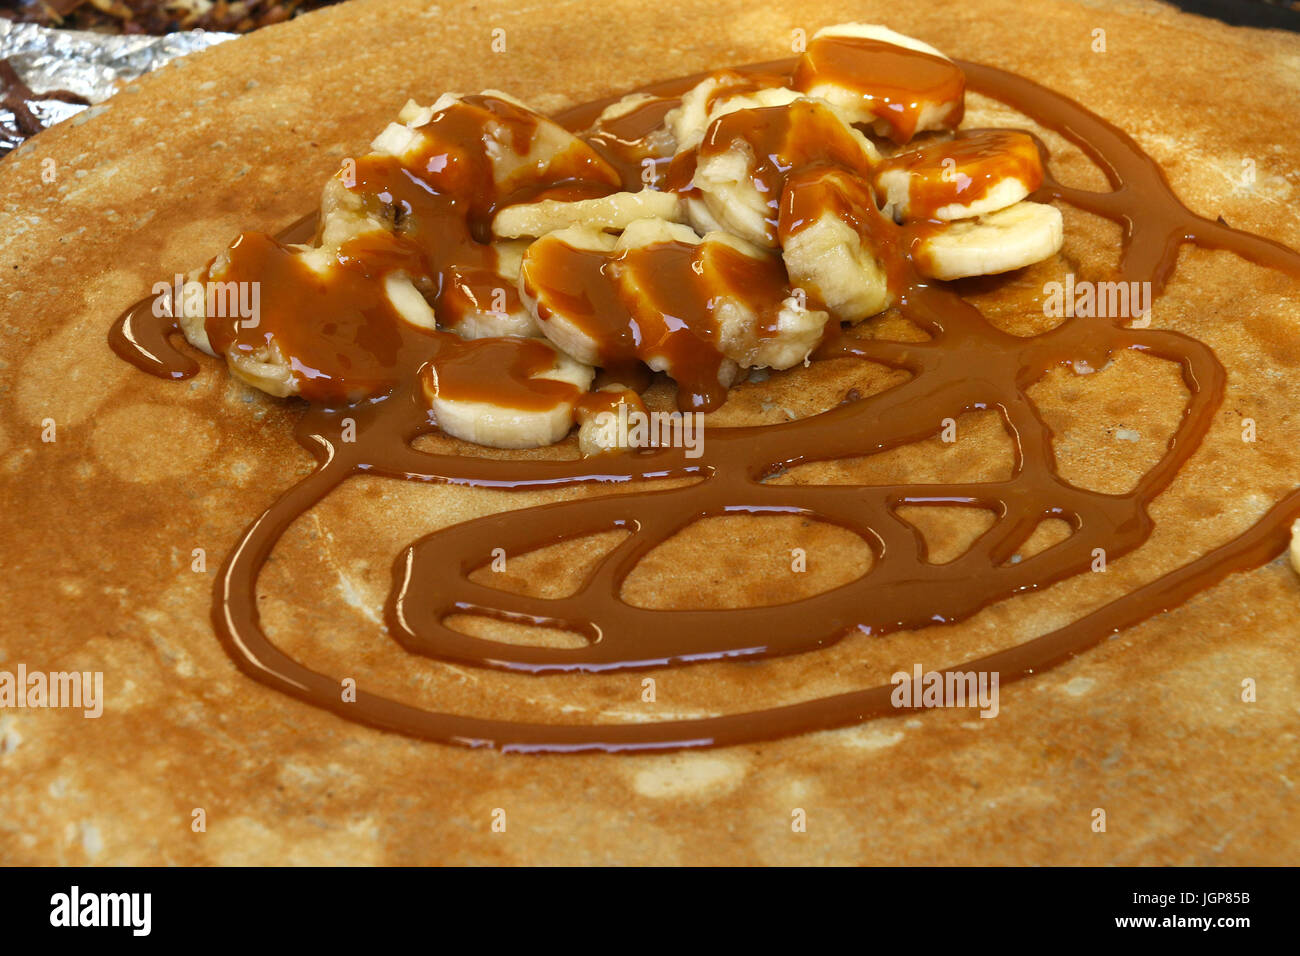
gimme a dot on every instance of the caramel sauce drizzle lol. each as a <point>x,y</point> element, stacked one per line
<point>966,364</point>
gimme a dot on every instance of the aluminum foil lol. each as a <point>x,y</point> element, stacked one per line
<point>93,65</point>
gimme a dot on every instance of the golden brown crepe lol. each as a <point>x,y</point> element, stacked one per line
<point>99,526</point>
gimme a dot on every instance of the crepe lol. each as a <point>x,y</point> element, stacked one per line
<point>99,526</point>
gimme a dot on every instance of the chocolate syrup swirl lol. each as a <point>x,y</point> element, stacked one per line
<point>965,364</point>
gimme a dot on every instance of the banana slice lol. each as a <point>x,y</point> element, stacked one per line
<point>781,337</point>
<point>746,156</point>
<point>345,215</point>
<point>1017,236</point>
<point>698,215</point>
<point>604,419</point>
<point>632,135</point>
<point>649,232</point>
<point>869,74</point>
<point>357,314</point>
<point>761,321</point>
<point>563,284</point>
<point>722,92</point>
<point>406,300</point>
<point>503,392</point>
<point>975,173</point>
<point>498,311</point>
<point>832,240</point>
<point>688,121</point>
<point>266,368</point>
<point>401,140</point>
<point>260,364</point>
<point>403,298</point>
<point>611,212</point>
<point>729,197</point>
<point>1295,546</point>
<point>719,94</point>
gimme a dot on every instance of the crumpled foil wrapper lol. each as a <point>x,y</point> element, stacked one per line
<point>93,65</point>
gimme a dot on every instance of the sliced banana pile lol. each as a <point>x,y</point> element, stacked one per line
<point>483,152</point>
<point>758,148</point>
<point>698,237</point>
